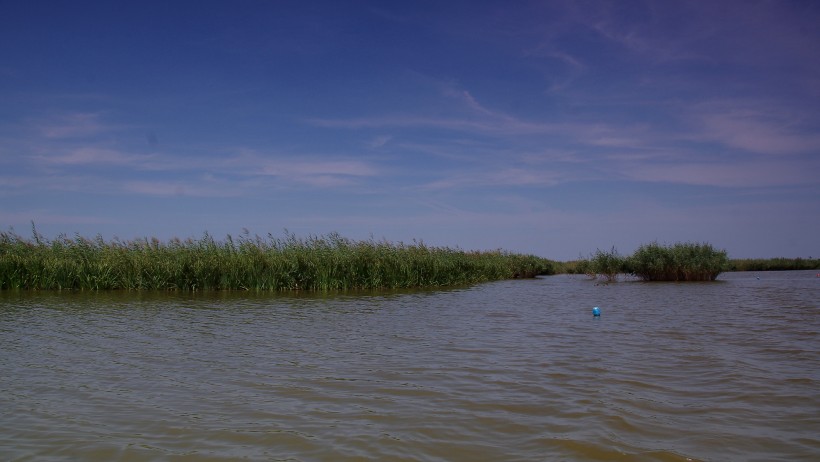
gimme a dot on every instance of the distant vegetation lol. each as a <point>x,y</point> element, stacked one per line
<point>654,262</point>
<point>248,263</point>
<point>774,264</point>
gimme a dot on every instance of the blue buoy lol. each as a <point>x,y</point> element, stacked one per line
<point>596,311</point>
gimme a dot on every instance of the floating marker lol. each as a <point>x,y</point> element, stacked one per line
<point>596,311</point>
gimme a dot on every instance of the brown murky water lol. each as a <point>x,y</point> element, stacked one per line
<point>508,371</point>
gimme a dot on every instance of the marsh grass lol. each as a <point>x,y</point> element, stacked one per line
<point>609,264</point>
<point>679,262</point>
<point>655,262</point>
<point>601,263</point>
<point>316,263</point>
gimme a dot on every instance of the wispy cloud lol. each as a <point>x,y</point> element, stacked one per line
<point>504,177</point>
<point>379,141</point>
<point>755,126</point>
<point>72,125</point>
<point>95,156</point>
<point>723,174</point>
<point>547,49</point>
<point>458,109</point>
<point>467,100</point>
<point>71,152</point>
<point>316,170</point>
<point>202,188</point>
<point>496,126</point>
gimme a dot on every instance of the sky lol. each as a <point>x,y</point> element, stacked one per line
<point>551,128</point>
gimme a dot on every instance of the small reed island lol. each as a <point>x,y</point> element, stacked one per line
<point>655,262</point>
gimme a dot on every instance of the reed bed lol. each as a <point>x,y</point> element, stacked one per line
<point>655,262</point>
<point>679,262</point>
<point>316,263</point>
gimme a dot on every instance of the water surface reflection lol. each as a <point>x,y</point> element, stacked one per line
<point>514,370</point>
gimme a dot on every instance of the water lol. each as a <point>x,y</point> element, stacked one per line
<point>513,371</point>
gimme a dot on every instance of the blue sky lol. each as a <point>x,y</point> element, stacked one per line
<point>552,128</point>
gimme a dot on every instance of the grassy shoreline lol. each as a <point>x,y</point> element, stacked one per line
<point>316,263</point>
<point>325,263</point>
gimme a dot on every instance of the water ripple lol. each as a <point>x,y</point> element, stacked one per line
<point>513,371</point>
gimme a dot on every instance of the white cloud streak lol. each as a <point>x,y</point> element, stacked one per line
<point>96,157</point>
<point>720,174</point>
<point>72,125</point>
<point>763,127</point>
<point>180,188</point>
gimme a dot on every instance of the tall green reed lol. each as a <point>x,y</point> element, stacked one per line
<point>323,263</point>
<point>655,262</point>
<point>679,262</point>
